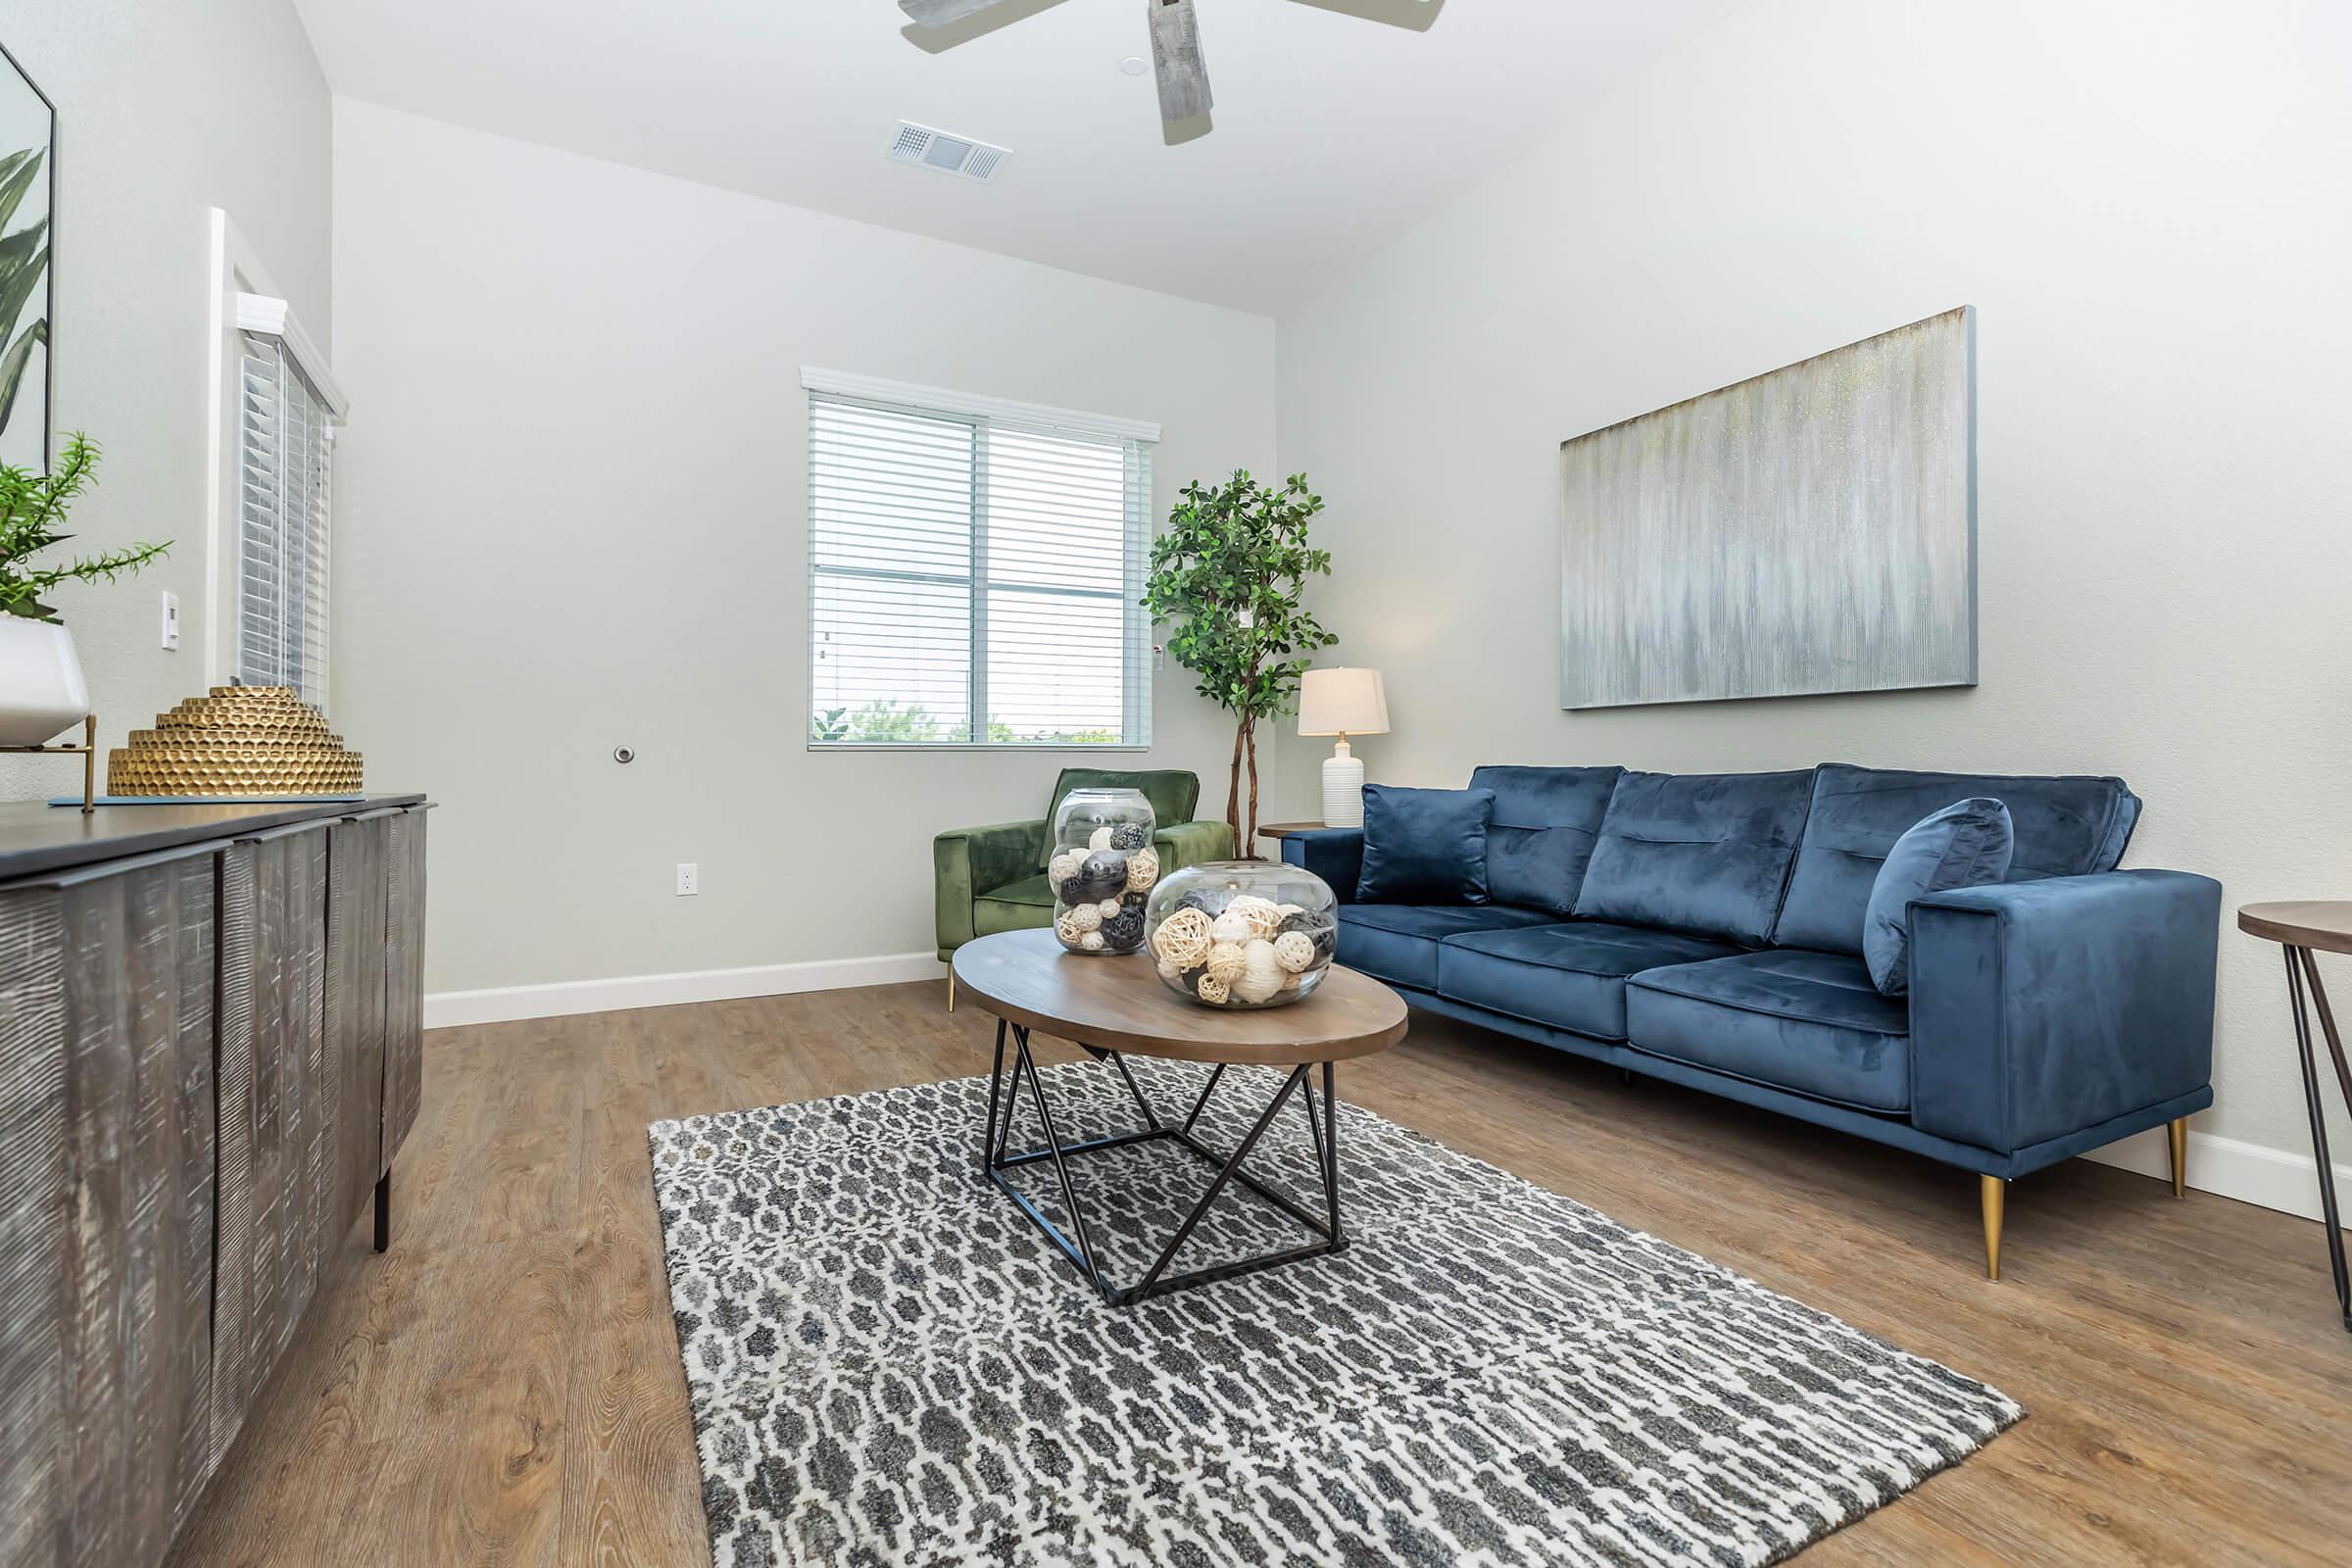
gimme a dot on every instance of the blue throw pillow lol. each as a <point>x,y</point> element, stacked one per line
<point>1424,846</point>
<point>1966,845</point>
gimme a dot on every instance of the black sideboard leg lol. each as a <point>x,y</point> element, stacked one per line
<point>383,1213</point>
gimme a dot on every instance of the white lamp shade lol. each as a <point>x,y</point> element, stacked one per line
<point>1341,702</point>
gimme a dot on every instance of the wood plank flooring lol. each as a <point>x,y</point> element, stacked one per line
<point>503,1386</point>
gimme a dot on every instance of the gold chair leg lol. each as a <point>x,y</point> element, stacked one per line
<point>1990,1192</point>
<point>950,988</point>
<point>2179,1146</point>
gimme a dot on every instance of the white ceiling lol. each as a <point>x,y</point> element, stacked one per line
<point>1331,132</point>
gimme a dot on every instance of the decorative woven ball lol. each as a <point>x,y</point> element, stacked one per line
<point>1092,942</point>
<point>1167,970</point>
<point>1260,977</point>
<point>1084,918</point>
<point>1100,838</point>
<point>1067,929</point>
<point>1225,961</point>
<point>1143,869</point>
<point>1322,933</point>
<point>1212,990</point>
<point>1063,866</point>
<point>1102,876</point>
<point>1293,950</point>
<point>1261,914</point>
<point>1124,931</point>
<point>1290,982</point>
<point>1183,938</point>
<point>1129,836</point>
<point>1230,927</point>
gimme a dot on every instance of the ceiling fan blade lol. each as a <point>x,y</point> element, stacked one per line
<point>939,13</point>
<point>1176,57</point>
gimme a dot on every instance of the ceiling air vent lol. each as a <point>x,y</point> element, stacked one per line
<point>949,154</point>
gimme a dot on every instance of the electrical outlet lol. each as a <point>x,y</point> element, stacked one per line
<point>690,879</point>
<point>170,620</point>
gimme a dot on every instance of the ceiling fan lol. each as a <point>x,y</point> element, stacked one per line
<point>1175,48</point>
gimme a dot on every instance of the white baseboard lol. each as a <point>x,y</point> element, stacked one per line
<point>2271,1178</point>
<point>504,1003</point>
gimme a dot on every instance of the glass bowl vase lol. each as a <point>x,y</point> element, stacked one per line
<point>1243,933</point>
<point>1101,867</point>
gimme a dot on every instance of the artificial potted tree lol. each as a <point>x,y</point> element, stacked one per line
<point>41,689</point>
<point>1227,574</point>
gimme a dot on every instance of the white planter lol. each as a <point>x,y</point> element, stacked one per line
<point>41,689</point>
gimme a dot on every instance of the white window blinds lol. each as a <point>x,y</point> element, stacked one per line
<point>974,580</point>
<point>285,493</point>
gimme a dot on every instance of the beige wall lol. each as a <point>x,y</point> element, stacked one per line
<point>573,513</point>
<point>2145,203</point>
<point>164,112</point>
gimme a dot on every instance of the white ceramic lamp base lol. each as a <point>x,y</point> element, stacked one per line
<point>1343,788</point>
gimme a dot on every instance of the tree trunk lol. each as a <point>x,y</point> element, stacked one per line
<point>1233,792</point>
<point>1250,854</point>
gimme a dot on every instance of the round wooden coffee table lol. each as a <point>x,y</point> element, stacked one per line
<point>2303,928</point>
<point>1116,1007</point>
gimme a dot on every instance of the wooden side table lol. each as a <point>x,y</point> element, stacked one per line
<point>1283,830</point>
<point>2303,929</point>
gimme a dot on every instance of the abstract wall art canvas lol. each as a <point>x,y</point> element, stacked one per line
<point>1811,530</point>
<point>28,184</point>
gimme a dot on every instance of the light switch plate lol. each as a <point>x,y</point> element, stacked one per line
<point>690,879</point>
<point>171,630</point>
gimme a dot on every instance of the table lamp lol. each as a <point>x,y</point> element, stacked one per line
<point>1343,702</point>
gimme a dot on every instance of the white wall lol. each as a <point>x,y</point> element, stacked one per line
<point>2144,202</point>
<point>572,504</point>
<point>164,112</point>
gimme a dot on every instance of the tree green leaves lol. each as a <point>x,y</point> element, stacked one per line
<point>1227,574</point>
<point>33,512</point>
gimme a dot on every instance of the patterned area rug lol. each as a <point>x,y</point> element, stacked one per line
<point>888,1364</point>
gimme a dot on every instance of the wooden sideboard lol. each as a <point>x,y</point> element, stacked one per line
<point>211,1021</point>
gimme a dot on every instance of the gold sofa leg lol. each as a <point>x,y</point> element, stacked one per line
<point>1990,1192</point>
<point>2179,1147</point>
<point>950,988</point>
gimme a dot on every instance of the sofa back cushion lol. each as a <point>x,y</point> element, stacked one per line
<point>1546,822</point>
<point>1172,792</point>
<point>2063,827</point>
<point>1707,852</point>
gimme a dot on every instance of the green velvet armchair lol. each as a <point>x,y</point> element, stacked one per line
<point>992,879</point>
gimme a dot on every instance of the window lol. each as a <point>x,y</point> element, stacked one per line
<point>285,445</point>
<point>975,570</point>
<point>270,529</point>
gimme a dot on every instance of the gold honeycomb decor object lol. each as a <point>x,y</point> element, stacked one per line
<point>235,741</point>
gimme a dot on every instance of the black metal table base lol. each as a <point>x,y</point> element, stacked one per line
<point>2302,971</point>
<point>1004,1099</point>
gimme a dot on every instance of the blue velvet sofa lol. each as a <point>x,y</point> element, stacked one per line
<point>1707,929</point>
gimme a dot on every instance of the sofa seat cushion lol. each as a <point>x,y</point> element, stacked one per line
<point>1568,976</point>
<point>1808,1022</point>
<point>1398,942</point>
<point>1021,906</point>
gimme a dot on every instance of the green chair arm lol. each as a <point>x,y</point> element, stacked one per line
<point>1190,843</point>
<point>971,861</point>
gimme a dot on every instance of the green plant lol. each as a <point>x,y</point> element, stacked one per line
<point>24,260</point>
<point>1227,573</point>
<point>33,510</point>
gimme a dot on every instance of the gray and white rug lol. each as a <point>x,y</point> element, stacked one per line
<point>888,1364</point>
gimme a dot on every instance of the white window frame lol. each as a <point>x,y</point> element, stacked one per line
<point>242,300</point>
<point>1036,416</point>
